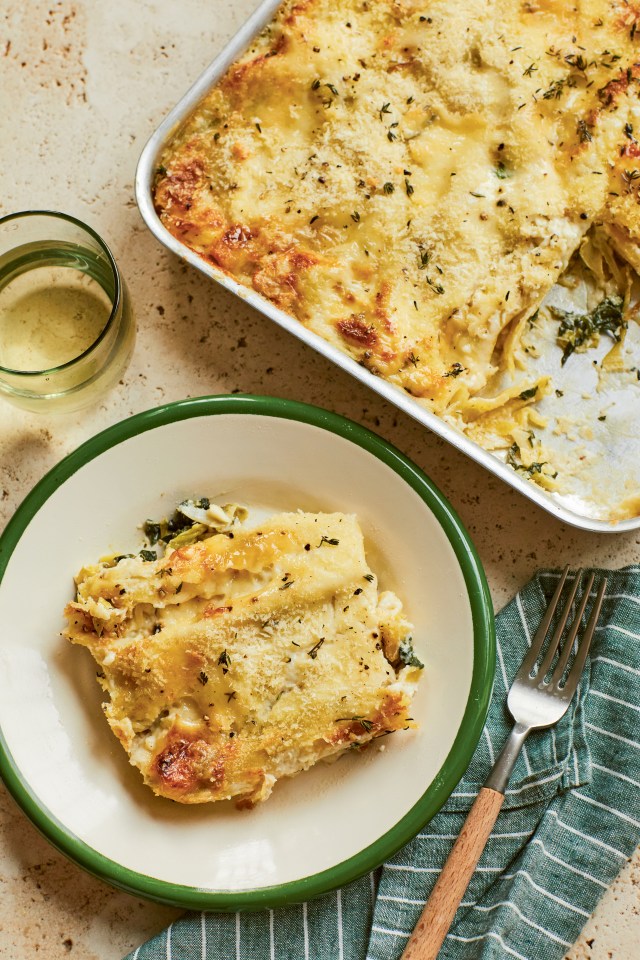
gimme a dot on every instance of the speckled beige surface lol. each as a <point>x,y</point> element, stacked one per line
<point>83,85</point>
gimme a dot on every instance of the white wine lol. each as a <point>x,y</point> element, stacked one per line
<point>66,330</point>
<point>50,316</point>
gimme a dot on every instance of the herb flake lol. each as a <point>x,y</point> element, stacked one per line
<point>313,653</point>
<point>528,394</point>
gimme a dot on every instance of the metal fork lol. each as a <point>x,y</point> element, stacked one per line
<point>535,701</point>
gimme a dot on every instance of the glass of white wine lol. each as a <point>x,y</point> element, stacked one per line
<point>66,327</point>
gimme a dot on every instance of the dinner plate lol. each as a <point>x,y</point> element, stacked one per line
<point>318,830</point>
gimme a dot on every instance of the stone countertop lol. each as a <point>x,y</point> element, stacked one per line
<point>84,85</point>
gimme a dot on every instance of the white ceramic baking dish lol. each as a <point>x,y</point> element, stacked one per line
<point>144,184</point>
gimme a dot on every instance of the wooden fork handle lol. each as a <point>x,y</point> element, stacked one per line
<point>440,909</point>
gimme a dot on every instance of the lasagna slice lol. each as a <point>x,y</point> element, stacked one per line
<point>246,657</point>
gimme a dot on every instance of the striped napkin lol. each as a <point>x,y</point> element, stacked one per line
<point>570,820</point>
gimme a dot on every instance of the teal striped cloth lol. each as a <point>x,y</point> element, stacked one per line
<point>571,819</point>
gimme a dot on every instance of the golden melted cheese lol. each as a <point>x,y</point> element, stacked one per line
<point>409,178</point>
<point>245,657</point>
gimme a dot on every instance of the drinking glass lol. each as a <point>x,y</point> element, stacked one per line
<point>66,327</point>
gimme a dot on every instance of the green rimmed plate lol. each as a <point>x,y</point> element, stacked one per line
<point>321,829</point>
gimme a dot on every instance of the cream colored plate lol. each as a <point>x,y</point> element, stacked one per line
<point>65,766</point>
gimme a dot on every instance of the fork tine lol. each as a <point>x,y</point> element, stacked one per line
<point>578,664</point>
<point>563,659</point>
<point>562,622</point>
<point>541,632</point>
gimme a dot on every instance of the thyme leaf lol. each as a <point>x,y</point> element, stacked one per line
<point>554,90</point>
<point>439,289</point>
<point>583,131</point>
<point>364,723</point>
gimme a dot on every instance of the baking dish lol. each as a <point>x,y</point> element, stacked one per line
<point>570,509</point>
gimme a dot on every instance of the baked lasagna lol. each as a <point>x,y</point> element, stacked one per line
<point>411,179</point>
<point>247,656</point>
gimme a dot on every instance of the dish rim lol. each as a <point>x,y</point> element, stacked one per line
<point>144,198</point>
<point>467,737</point>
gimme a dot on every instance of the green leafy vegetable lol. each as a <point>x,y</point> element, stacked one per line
<point>407,656</point>
<point>513,453</point>
<point>192,534</point>
<point>583,329</point>
<point>191,521</point>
